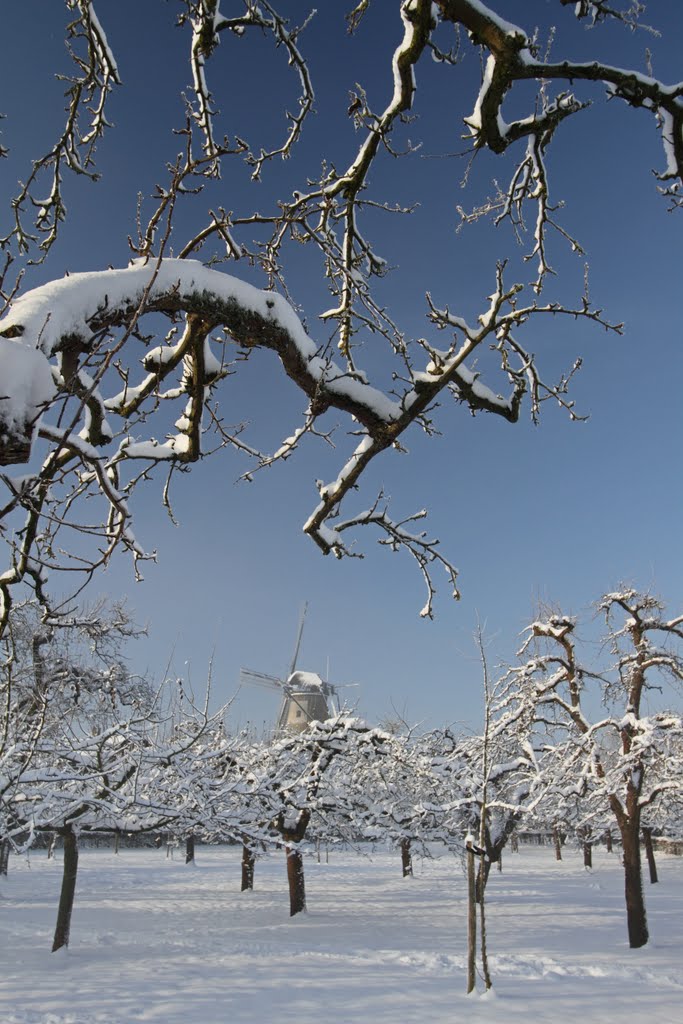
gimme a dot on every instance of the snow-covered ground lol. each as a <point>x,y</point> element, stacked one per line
<point>153,940</point>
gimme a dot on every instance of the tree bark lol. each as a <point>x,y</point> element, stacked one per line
<point>4,856</point>
<point>189,849</point>
<point>66,896</point>
<point>295,877</point>
<point>483,872</point>
<point>635,904</point>
<point>608,840</point>
<point>557,840</point>
<point>248,865</point>
<point>587,853</point>
<point>406,858</point>
<point>649,853</point>
<point>585,835</point>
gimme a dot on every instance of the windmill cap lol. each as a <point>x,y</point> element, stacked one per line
<point>306,681</point>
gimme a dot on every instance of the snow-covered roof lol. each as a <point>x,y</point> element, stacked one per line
<point>305,681</point>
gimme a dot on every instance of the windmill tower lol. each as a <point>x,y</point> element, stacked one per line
<point>305,696</point>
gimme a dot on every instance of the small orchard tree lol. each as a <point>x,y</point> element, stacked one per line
<point>142,766</point>
<point>112,374</point>
<point>396,797</point>
<point>57,672</point>
<point>664,816</point>
<point>313,771</point>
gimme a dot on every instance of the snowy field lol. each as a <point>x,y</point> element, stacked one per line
<point>153,940</point>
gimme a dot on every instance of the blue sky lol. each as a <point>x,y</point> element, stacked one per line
<point>555,513</point>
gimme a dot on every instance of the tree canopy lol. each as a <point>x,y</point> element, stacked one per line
<point>113,374</point>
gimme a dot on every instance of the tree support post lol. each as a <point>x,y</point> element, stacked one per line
<point>471,920</point>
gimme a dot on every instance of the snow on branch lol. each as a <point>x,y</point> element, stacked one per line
<point>92,404</point>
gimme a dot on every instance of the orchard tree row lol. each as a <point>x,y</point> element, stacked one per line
<point>87,748</point>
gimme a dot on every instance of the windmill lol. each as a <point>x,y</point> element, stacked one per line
<point>305,696</point>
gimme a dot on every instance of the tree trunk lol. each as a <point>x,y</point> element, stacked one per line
<point>189,849</point>
<point>471,922</point>
<point>635,903</point>
<point>585,835</point>
<point>483,872</point>
<point>117,841</point>
<point>406,859</point>
<point>4,856</point>
<point>608,840</point>
<point>248,864</point>
<point>514,844</point>
<point>295,877</point>
<point>557,840</point>
<point>66,896</point>
<point>51,846</point>
<point>649,852</point>
<point>587,853</point>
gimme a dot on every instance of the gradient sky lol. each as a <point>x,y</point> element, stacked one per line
<point>557,513</point>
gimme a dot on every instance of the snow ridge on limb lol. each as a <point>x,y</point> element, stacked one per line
<point>74,311</point>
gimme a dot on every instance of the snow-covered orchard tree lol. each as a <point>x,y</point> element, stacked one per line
<point>56,672</point>
<point>620,760</point>
<point>133,777</point>
<point>313,772</point>
<point>106,755</point>
<point>396,798</point>
<point>111,374</point>
<point>500,775</point>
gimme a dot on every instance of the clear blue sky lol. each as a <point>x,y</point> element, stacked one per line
<point>559,512</point>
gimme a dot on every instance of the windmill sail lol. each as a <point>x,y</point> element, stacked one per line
<point>297,647</point>
<point>249,677</point>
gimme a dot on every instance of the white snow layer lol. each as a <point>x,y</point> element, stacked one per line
<point>26,383</point>
<point>156,941</point>
<point>45,315</point>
